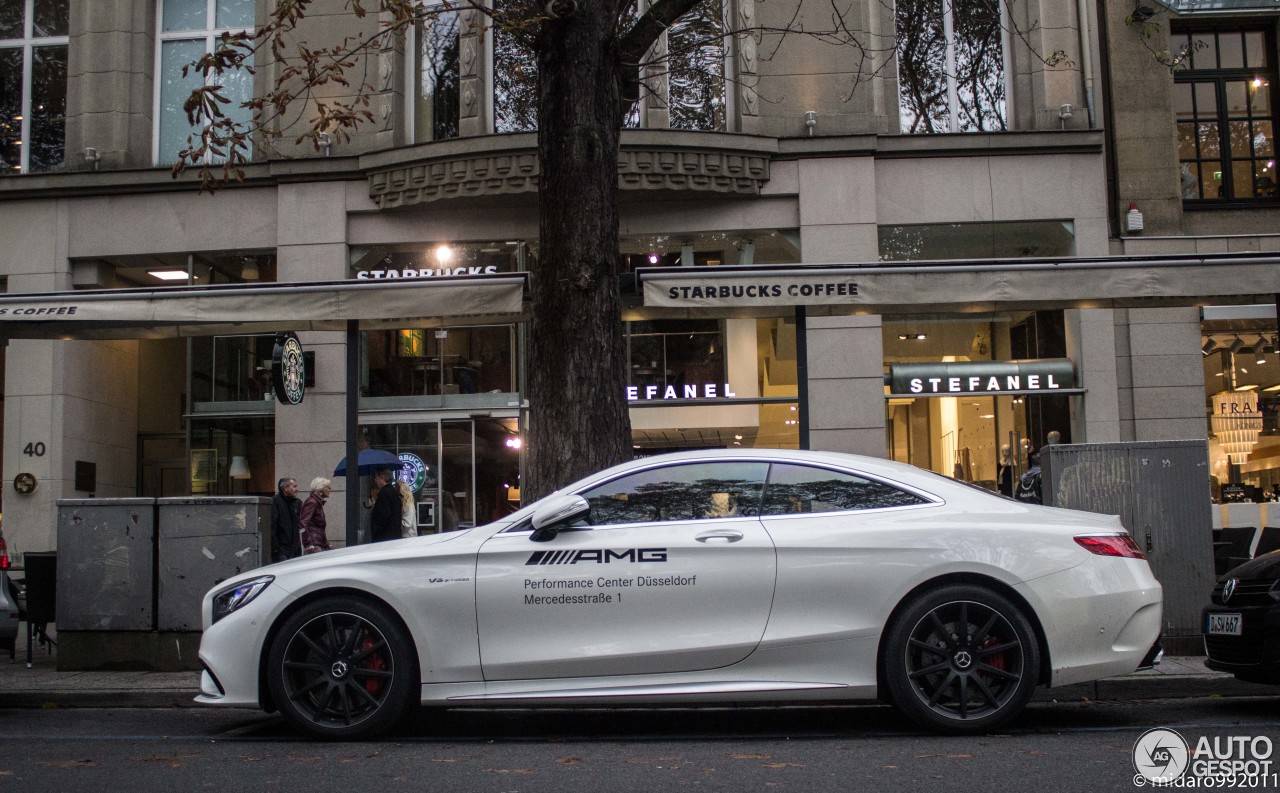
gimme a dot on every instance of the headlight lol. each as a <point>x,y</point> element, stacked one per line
<point>228,600</point>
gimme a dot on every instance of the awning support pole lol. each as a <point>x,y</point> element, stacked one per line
<point>802,374</point>
<point>353,431</point>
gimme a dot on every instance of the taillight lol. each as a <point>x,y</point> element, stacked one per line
<point>1110,545</point>
<point>4,555</point>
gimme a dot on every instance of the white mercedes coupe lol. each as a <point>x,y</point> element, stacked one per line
<point>698,577</point>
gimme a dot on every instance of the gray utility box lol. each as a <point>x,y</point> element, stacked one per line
<point>1160,490</point>
<point>204,541</point>
<point>106,564</point>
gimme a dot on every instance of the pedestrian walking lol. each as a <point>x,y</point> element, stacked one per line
<point>385,521</point>
<point>313,523</point>
<point>286,512</point>
<point>408,510</point>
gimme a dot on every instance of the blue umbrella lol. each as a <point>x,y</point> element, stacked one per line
<point>369,461</point>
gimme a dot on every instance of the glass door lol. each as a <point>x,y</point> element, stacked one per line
<point>463,472</point>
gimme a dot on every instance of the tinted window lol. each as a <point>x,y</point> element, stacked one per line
<point>697,491</point>
<point>799,489</point>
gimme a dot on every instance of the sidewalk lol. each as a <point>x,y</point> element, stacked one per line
<point>44,686</point>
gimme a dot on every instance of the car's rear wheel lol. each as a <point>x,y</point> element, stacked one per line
<point>342,668</point>
<point>961,659</point>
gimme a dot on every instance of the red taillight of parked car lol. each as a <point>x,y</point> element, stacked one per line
<point>4,556</point>
<point>1110,545</point>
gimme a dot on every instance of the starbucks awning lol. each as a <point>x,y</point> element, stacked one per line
<point>968,286</point>
<point>255,308</point>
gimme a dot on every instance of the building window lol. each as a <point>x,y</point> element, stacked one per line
<point>515,83</point>
<point>951,66</point>
<point>1226,116</point>
<point>696,69</point>
<point>33,85</point>
<point>434,97</point>
<point>187,30</point>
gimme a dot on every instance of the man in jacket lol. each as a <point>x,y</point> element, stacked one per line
<point>385,520</point>
<point>286,511</point>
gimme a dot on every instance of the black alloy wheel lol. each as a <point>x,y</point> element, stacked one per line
<point>961,659</point>
<point>342,668</point>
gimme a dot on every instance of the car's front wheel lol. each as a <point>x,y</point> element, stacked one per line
<point>961,659</point>
<point>342,668</point>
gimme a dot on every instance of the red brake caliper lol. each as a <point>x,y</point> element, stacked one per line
<point>374,661</point>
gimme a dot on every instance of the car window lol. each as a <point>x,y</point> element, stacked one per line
<point>695,491</point>
<point>801,489</point>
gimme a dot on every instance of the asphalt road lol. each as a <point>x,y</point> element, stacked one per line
<point>1053,747</point>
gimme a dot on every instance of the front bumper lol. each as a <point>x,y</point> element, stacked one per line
<point>1254,655</point>
<point>231,650</point>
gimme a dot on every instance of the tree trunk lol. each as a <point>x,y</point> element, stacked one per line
<point>578,420</point>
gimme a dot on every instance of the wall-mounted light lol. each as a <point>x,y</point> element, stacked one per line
<point>810,121</point>
<point>91,155</point>
<point>325,141</point>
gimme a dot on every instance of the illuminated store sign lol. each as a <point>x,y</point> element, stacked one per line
<point>981,377</point>
<point>647,393</point>
<point>439,272</point>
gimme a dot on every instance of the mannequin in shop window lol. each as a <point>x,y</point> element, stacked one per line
<point>1004,475</point>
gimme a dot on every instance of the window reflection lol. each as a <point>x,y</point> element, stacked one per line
<point>1223,100</point>
<point>697,68</point>
<point>698,491</point>
<point>676,353</point>
<point>515,83</point>
<point>436,78</point>
<point>33,86</point>
<point>931,100</point>
<point>800,490</point>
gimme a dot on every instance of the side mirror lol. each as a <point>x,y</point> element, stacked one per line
<point>556,513</point>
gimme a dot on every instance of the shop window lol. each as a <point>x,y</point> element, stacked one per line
<point>434,92</point>
<point>1225,110</point>
<point>679,493</point>
<point>802,490</point>
<point>234,456</point>
<point>33,85</point>
<point>439,361</point>
<point>951,75</point>
<point>188,29</point>
<point>676,354</point>
<point>1242,405</point>
<point>1004,240</point>
<point>232,369</point>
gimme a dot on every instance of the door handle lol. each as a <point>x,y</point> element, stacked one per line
<point>728,535</point>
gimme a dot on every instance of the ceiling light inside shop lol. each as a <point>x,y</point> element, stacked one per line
<point>913,336</point>
<point>168,275</point>
<point>443,254</point>
<point>1236,345</point>
<point>1249,387</point>
<point>1210,345</point>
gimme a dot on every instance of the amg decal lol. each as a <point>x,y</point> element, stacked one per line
<point>598,556</point>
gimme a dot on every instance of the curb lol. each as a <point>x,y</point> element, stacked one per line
<point>47,700</point>
<point>1110,690</point>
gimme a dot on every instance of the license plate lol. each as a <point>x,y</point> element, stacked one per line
<point>1223,625</point>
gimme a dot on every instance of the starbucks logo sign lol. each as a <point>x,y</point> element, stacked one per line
<point>288,369</point>
<point>413,472</point>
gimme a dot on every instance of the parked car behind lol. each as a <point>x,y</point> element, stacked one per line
<point>1242,621</point>
<point>8,605</point>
